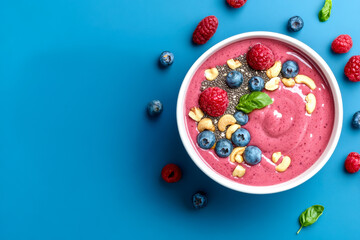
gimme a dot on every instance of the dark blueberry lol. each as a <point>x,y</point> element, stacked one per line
<point>206,139</point>
<point>166,58</point>
<point>295,24</point>
<point>241,137</point>
<point>154,108</point>
<point>241,118</point>
<point>290,69</point>
<point>234,79</point>
<point>356,120</point>
<point>199,200</point>
<point>256,84</point>
<point>252,155</point>
<point>223,148</point>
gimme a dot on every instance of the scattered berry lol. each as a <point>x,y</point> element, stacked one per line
<point>352,69</point>
<point>356,120</point>
<point>342,44</point>
<point>252,155</point>
<point>154,108</point>
<point>295,24</point>
<point>352,162</point>
<point>241,137</point>
<point>241,118</point>
<point>260,57</point>
<point>234,79</point>
<point>205,30</point>
<point>236,3</point>
<point>290,69</point>
<point>171,173</point>
<point>166,58</point>
<point>214,101</point>
<point>199,200</point>
<point>206,139</point>
<point>256,84</point>
<point>223,148</point>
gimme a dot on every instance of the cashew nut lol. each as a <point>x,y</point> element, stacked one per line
<point>310,103</point>
<point>233,64</point>
<point>274,71</point>
<point>226,120</point>
<point>284,164</point>
<point>272,84</point>
<point>288,82</point>
<point>239,171</point>
<point>231,130</point>
<point>206,124</point>
<point>196,114</point>
<point>305,80</point>
<point>275,157</point>
<point>211,74</point>
<point>236,154</point>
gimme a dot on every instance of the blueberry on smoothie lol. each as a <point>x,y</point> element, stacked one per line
<point>356,120</point>
<point>154,108</point>
<point>199,200</point>
<point>166,58</point>
<point>290,69</point>
<point>252,155</point>
<point>206,139</point>
<point>223,148</point>
<point>234,79</point>
<point>241,137</point>
<point>295,24</point>
<point>256,84</point>
<point>241,117</point>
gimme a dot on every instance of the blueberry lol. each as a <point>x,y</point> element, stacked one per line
<point>223,148</point>
<point>356,120</point>
<point>290,69</point>
<point>295,24</point>
<point>199,200</point>
<point>206,139</point>
<point>154,108</point>
<point>241,118</point>
<point>166,58</point>
<point>256,84</point>
<point>234,79</point>
<point>241,137</point>
<point>252,155</point>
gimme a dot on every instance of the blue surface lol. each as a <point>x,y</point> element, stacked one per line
<point>79,159</point>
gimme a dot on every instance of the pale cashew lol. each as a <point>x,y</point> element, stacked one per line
<point>305,80</point>
<point>275,157</point>
<point>284,164</point>
<point>288,82</point>
<point>274,71</point>
<point>196,114</point>
<point>206,124</point>
<point>233,64</point>
<point>226,120</point>
<point>211,74</point>
<point>236,154</point>
<point>310,103</point>
<point>272,84</point>
<point>239,171</point>
<point>231,130</point>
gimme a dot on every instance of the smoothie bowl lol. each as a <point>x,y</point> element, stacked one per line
<point>260,112</point>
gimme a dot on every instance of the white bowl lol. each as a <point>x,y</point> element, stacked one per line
<point>302,177</point>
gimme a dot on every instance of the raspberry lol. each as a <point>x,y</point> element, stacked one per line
<point>171,173</point>
<point>352,162</point>
<point>352,69</point>
<point>236,3</point>
<point>260,57</point>
<point>205,30</point>
<point>214,101</point>
<point>342,44</point>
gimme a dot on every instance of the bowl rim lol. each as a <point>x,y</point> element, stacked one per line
<point>335,135</point>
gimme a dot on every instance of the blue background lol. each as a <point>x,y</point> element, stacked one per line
<point>79,158</point>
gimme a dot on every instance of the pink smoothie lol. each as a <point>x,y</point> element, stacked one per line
<point>282,126</point>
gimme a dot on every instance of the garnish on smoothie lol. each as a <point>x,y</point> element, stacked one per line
<point>252,101</point>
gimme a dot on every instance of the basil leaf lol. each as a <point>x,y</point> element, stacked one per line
<point>325,12</point>
<point>252,101</point>
<point>310,216</point>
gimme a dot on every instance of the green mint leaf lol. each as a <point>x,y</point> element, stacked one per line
<point>325,12</point>
<point>310,216</point>
<point>252,101</point>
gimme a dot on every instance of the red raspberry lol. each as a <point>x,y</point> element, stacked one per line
<point>205,30</point>
<point>236,3</point>
<point>171,173</point>
<point>352,68</point>
<point>260,57</point>
<point>342,44</point>
<point>352,162</point>
<point>214,101</point>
